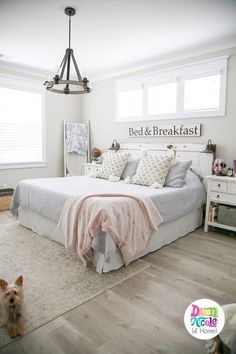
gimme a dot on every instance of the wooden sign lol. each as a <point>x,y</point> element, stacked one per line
<point>165,130</point>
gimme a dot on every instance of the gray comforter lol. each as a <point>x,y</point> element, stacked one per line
<point>46,196</point>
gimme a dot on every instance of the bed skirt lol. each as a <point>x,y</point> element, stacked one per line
<point>107,256</point>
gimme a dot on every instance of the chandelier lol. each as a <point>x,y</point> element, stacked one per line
<point>59,84</point>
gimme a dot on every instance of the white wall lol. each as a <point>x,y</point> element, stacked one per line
<point>99,108</point>
<point>58,108</point>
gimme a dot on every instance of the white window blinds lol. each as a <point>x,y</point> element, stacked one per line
<point>20,126</point>
<point>187,91</point>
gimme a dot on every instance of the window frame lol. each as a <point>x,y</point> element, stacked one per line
<point>176,74</point>
<point>34,86</point>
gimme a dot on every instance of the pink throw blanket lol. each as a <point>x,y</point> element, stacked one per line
<point>128,219</point>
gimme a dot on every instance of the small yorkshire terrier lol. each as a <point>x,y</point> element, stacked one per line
<point>11,306</point>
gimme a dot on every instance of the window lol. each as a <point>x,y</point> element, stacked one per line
<point>162,99</point>
<point>21,126</point>
<point>130,103</point>
<point>202,94</point>
<point>193,90</point>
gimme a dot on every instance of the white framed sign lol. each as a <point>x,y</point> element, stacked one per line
<point>165,130</point>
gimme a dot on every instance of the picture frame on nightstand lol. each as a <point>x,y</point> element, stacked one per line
<point>234,168</point>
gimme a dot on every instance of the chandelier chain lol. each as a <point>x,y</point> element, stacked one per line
<point>69,32</point>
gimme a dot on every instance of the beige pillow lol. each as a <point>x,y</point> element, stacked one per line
<point>113,164</point>
<point>152,170</point>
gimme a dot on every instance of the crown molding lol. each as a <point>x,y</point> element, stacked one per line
<point>188,55</point>
<point>169,59</point>
<point>14,69</point>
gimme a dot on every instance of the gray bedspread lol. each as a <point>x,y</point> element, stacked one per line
<point>46,196</point>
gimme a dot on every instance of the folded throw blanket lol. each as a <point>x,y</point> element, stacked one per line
<point>128,219</point>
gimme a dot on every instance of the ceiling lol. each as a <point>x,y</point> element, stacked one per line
<point>113,36</point>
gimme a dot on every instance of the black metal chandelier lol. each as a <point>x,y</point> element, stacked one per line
<point>64,86</point>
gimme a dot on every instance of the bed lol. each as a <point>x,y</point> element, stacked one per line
<point>38,204</point>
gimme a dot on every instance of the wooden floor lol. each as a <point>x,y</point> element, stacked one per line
<point>144,314</point>
<point>6,217</point>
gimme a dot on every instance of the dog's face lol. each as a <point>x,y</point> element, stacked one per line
<point>12,294</point>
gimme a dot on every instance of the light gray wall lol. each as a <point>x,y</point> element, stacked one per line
<point>99,108</point>
<point>58,108</point>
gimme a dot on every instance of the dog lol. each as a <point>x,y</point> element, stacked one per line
<point>11,303</point>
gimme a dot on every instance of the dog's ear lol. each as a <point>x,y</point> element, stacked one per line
<point>3,284</point>
<point>19,280</point>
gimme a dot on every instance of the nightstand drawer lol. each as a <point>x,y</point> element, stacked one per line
<point>90,169</point>
<point>232,186</point>
<point>223,197</point>
<point>219,185</point>
<point>96,169</point>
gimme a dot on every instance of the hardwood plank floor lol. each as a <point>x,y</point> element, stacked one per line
<point>6,217</point>
<point>144,314</point>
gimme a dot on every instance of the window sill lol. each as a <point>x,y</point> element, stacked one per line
<point>8,166</point>
<point>178,115</point>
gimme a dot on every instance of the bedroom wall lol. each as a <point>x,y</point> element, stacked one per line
<point>58,108</point>
<point>99,108</point>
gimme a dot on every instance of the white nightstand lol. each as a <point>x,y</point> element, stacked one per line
<point>220,191</point>
<point>90,168</point>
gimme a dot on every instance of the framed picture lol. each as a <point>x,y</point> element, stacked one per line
<point>234,168</point>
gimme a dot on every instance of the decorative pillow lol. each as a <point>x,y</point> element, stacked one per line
<point>130,169</point>
<point>113,164</point>
<point>177,173</point>
<point>152,170</point>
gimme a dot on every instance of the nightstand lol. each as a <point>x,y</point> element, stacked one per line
<point>221,203</point>
<point>90,168</point>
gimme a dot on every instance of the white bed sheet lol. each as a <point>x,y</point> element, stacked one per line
<point>39,202</point>
<point>46,196</point>
<point>107,256</point>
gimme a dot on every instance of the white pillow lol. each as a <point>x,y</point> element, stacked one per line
<point>113,164</point>
<point>152,170</point>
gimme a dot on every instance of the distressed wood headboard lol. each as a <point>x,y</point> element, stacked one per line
<point>202,162</point>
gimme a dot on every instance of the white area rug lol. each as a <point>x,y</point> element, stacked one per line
<point>55,280</point>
